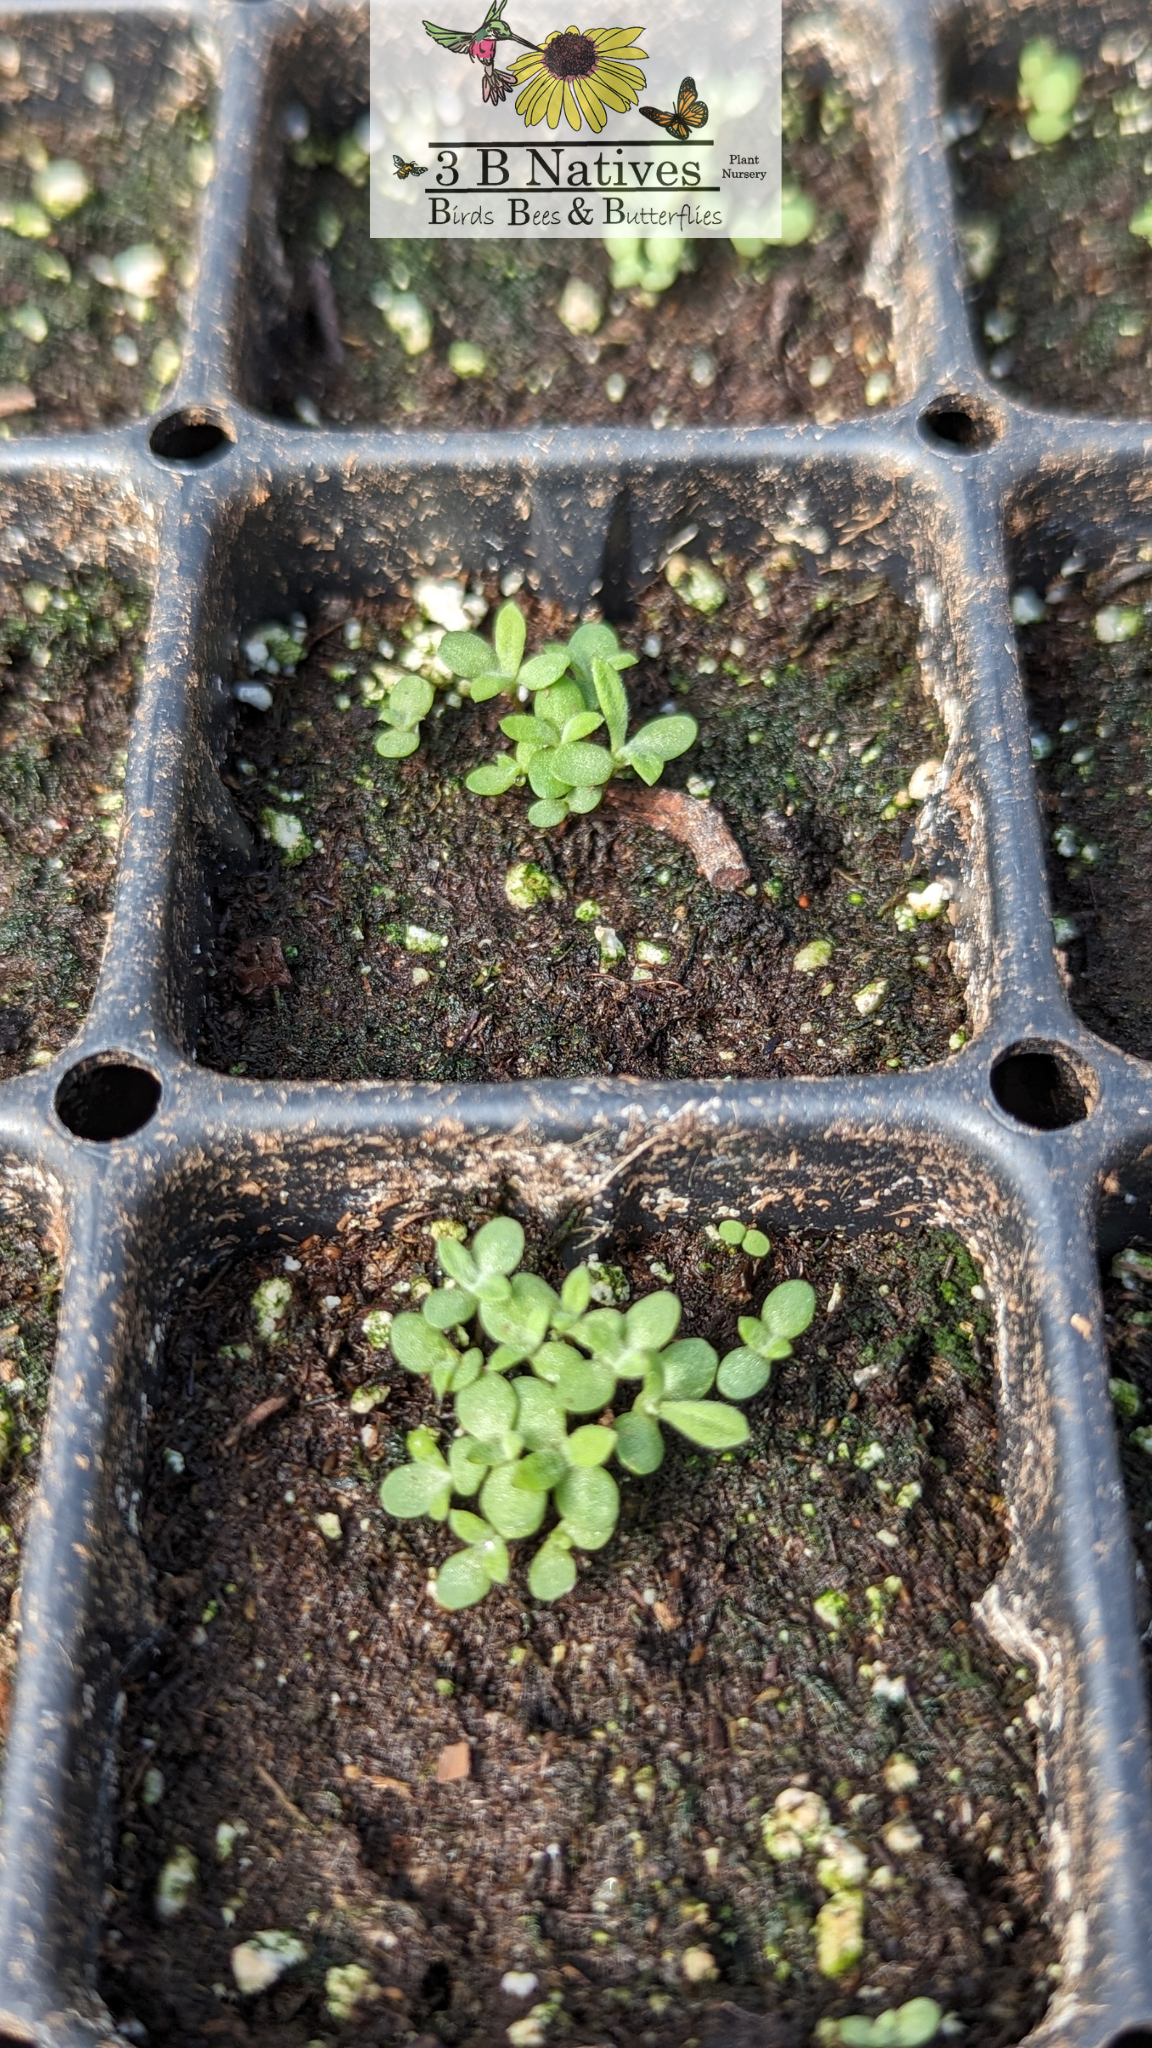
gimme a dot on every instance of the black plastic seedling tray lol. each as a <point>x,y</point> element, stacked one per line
<point>1035,1142</point>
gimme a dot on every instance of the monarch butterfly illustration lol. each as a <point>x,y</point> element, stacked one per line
<point>404,170</point>
<point>690,113</point>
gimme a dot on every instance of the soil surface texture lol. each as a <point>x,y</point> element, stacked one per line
<point>1061,289</point>
<point>67,676</point>
<point>92,287</point>
<point>812,716</point>
<point>788,334</point>
<point>29,1279</point>
<point>1128,1330</point>
<point>1091,705</point>
<point>575,1794</point>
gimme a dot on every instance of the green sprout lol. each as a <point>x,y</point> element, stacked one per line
<point>787,1312</point>
<point>1141,223</point>
<point>489,669</point>
<point>797,220</point>
<point>553,748</point>
<point>519,1443</point>
<point>740,1237</point>
<point>1049,86</point>
<point>407,702</point>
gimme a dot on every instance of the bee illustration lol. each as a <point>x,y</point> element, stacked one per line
<point>690,113</point>
<point>404,170</point>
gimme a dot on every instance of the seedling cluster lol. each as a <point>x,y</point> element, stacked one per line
<point>576,691</point>
<point>519,1444</point>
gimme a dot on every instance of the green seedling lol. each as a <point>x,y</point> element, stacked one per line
<point>1141,223</point>
<point>408,701</point>
<point>514,1447</point>
<point>786,1313</point>
<point>797,220</point>
<point>489,669</point>
<point>567,771</point>
<point>741,1237</point>
<point>1049,86</point>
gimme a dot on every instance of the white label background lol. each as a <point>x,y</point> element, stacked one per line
<point>428,109</point>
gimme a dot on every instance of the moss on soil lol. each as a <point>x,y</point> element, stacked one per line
<point>789,335</point>
<point>147,157</point>
<point>67,676</point>
<point>1091,703</point>
<point>29,1280</point>
<point>801,765</point>
<point>625,1743</point>
<point>1069,297</point>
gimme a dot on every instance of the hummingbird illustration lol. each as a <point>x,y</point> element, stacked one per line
<point>479,46</point>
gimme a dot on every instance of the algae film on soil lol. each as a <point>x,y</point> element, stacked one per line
<point>105,149</point>
<point>68,665</point>
<point>397,924</point>
<point>646,1812</point>
<point>511,333</point>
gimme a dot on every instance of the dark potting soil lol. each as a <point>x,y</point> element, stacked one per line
<point>67,675</point>
<point>1091,707</point>
<point>790,334</point>
<point>29,1279</point>
<point>129,103</point>
<point>1061,288</point>
<point>812,715</point>
<point>624,1745</point>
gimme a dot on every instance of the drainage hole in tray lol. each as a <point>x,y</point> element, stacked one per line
<point>102,1099</point>
<point>190,436</point>
<point>960,422</point>
<point>1043,1086</point>
<point>1132,2037</point>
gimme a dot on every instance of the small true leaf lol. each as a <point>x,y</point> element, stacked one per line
<point>468,1471</point>
<point>591,1444</point>
<point>582,800</point>
<point>789,1308</point>
<point>509,637</point>
<point>591,643</point>
<point>462,1580</point>
<point>639,1444</point>
<point>547,813</point>
<point>508,1507</point>
<point>487,1407</point>
<point>652,1322</point>
<point>664,738</point>
<point>447,1306</point>
<point>457,1261</point>
<point>540,1471</point>
<point>409,700</point>
<point>393,745</point>
<point>552,1572</point>
<point>578,728</point>
<point>413,1490</point>
<point>469,1528</point>
<point>466,654</point>
<point>588,1499</point>
<point>613,700</point>
<point>417,1346</point>
<point>539,1414</point>
<point>576,1292</point>
<point>649,767</point>
<point>742,1374</point>
<point>710,1423</point>
<point>580,764</point>
<point>498,1247</point>
<point>585,1385</point>
<point>519,726</point>
<point>688,1368</point>
<point>543,780</point>
<point>544,668</point>
<point>494,777</point>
